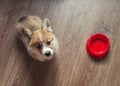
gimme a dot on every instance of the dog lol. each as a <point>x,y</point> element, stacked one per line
<point>37,36</point>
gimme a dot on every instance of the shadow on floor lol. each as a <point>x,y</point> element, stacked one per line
<point>39,73</point>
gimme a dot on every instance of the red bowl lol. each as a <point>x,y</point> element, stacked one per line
<point>98,46</point>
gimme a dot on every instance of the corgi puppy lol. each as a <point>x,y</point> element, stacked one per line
<point>38,37</point>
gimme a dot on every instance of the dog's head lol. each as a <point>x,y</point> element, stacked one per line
<point>40,34</point>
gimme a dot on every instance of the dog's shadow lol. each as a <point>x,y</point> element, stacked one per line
<point>39,73</point>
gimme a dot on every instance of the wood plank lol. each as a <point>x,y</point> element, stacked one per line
<point>73,21</point>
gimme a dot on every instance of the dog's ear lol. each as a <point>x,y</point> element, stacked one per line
<point>47,25</point>
<point>27,32</point>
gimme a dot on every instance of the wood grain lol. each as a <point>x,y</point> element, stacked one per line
<point>73,21</point>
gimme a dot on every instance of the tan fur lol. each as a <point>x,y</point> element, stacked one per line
<point>33,31</point>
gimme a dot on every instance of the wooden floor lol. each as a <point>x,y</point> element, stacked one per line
<point>73,21</point>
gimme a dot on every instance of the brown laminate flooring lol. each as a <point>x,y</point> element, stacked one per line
<point>73,21</point>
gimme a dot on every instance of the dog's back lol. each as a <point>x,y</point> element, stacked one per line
<point>27,23</point>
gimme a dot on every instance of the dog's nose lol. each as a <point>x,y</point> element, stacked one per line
<point>48,53</point>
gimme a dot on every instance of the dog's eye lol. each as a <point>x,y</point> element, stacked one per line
<point>48,42</point>
<point>39,46</point>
